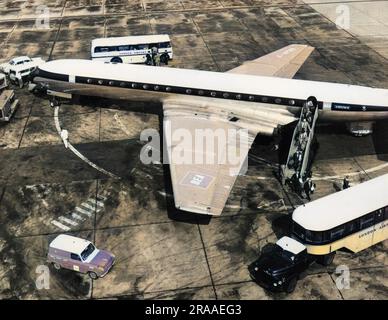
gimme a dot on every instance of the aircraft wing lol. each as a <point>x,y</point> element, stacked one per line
<point>283,63</point>
<point>203,186</point>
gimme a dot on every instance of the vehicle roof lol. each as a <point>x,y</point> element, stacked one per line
<point>24,66</point>
<point>69,243</point>
<point>20,58</point>
<point>338,208</point>
<point>115,41</point>
<point>291,245</point>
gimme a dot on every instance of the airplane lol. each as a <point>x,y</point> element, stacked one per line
<point>259,96</point>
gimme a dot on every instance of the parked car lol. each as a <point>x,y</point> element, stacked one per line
<point>17,61</point>
<point>80,255</point>
<point>279,267</point>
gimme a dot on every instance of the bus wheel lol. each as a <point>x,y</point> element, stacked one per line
<point>56,265</point>
<point>291,285</point>
<point>117,60</point>
<point>326,259</point>
<point>93,275</point>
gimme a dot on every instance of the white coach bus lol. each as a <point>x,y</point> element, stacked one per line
<point>355,218</point>
<point>132,49</point>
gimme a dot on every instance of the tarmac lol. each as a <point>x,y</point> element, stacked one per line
<point>162,253</point>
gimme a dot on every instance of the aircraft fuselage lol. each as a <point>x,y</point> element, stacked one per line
<point>337,102</point>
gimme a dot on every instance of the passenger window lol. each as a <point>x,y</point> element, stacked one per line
<point>164,45</point>
<point>101,49</point>
<point>351,227</point>
<point>367,221</point>
<point>74,256</point>
<point>314,236</point>
<point>299,231</point>
<point>337,233</point>
<point>123,48</point>
<point>142,47</point>
<point>386,213</point>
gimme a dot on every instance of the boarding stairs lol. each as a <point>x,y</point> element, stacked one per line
<point>297,171</point>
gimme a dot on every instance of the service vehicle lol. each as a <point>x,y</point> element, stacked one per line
<point>80,255</point>
<point>17,61</point>
<point>3,81</point>
<point>132,49</point>
<point>355,218</point>
<point>20,74</point>
<point>8,103</point>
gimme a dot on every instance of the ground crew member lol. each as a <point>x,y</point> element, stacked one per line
<point>345,183</point>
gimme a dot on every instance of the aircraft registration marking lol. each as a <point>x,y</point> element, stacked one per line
<point>197,180</point>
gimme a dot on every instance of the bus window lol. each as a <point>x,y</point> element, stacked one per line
<point>314,236</point>
<point>299,231</point>
<point>367,221</point>
<point>123,48</point>
<point>142,47</point>
<point>351,227</point>
<point>101,49</point>
<point>164,45</point>
<point>337,233</point>
<point>386,213</point>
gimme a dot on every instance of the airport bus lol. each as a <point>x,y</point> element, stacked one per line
<point>355,219</point>
<point>132,49</point>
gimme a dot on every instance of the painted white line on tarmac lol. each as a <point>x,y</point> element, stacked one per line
<point>60,225</point>
<point>68,221</point>
<point>83,211</point>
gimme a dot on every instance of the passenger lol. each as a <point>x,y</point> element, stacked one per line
<point>148,60</point>
<point>154,52</point>
<point>157,60</point>
<point>346,183</point>
<point>164,58</point>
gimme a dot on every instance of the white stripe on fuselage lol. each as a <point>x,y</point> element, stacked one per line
<point>228,82</point>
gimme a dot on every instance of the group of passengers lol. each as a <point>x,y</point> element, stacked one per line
<point>303,185</point>
<point>155,58</point>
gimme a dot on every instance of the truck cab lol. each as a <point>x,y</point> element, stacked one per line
<point>279,267</point>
